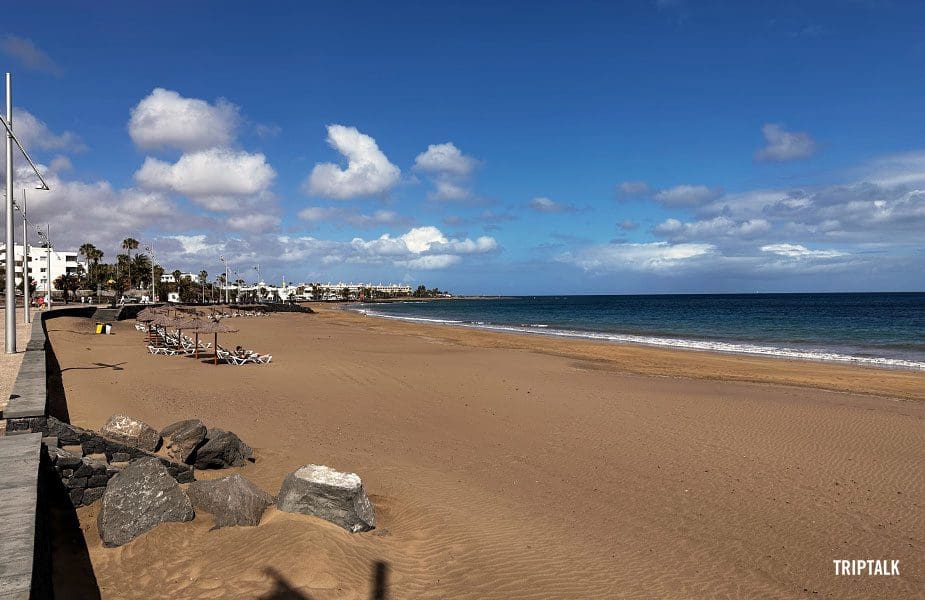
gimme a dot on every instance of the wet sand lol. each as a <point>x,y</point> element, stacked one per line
<point>505,466</point>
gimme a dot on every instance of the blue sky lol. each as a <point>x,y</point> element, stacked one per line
<point>618,147</point>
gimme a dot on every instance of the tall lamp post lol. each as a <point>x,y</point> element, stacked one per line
<point>10,316</point>
<point>46,238</point>
<point>25,260</point>
<point>225,262</point>
<point>151,250</point>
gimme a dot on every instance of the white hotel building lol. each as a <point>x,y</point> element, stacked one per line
<point>62,261</point>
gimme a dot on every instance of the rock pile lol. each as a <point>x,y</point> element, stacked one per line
<point>140,489</point>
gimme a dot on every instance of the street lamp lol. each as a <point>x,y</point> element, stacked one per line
<point>151,250</point>
<point>46,238</point>
<point>10,320</point>
<point>225,262</point>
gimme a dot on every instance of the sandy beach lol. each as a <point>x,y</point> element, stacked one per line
<point>507,466</point>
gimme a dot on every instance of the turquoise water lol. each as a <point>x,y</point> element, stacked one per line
<point>880,329</point>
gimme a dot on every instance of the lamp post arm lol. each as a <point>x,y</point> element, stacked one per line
<point>24,153</point>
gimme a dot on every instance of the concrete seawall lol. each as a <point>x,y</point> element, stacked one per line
<point>25,545</point>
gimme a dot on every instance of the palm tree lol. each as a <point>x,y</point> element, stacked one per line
<point>203,275</point>
<point>88,251</point>
<point>141,266</point>
<point>129,244</point>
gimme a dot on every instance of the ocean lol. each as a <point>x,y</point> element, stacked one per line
<point>875,329</point>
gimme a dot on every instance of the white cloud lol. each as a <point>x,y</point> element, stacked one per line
<point>547,205</point>
<point>166,119</point>
<point>29,55</point>
<point>447,190</point>
<point>431,262</point>
<point>420,239</point>
<point>420,247</point>
<point>798,251</point>
<point>782,145</point>
<point>898,170</point>
<point>217,178</point>
<point>721,226</point>
<point>60,164</point>
<point>449,170</point>
<point>445,158</point>
<point>368,172</point>
<point>254,223</point>
<point>194,244</point>
<point>686,195</point>
<point>34,133</point>
<point>654,256</point>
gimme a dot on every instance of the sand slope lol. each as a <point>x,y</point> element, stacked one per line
<point>508,473</point>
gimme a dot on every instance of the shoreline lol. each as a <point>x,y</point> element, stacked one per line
<point>657,341</point>
<point>642,359</point>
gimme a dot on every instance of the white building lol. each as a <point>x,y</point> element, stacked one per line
<point>169,278</point>
<point>62,261</point>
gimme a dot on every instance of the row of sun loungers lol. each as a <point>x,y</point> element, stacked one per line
<point>244,357</point>
<point>172,344</point>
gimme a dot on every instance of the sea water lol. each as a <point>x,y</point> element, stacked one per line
<point>877,329</point>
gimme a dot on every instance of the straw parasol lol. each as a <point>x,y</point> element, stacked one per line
<point>162,320</point>
<point>195,324</point>
<point>146,316</point>
<point>216,327</point>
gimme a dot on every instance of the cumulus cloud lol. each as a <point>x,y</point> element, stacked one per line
<point>445,159</point>
<point>428,263</point>
<point>547,205</point>
<point>60,164</point>
<point>448,190</point>
<point>449,170</point>
<point>255,222</point>
<point>782,145</point>
<point>34,133</point>
<point>711,228</point>
<point>686,195</point>
<point>216,179</point>
<point>29,55</point>
<point>96,211</point>
<point>798,251</point>
<point>368,171</point>
<point>420,247</point>
<point>164,118</point>
<point>653,256</point>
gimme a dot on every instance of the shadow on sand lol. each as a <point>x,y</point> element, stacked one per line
<point>283,590</point>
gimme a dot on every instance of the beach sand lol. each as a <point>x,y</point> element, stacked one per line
<point>506,466</point>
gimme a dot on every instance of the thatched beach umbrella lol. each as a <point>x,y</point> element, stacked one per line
<point>146,316</point>
<point>182,323</point>
<point>195,324</point>
<point>216,327</point>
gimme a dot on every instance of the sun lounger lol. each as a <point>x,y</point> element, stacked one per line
<point>163,350</point>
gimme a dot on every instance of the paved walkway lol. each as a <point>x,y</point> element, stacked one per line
<point>9,363</point>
